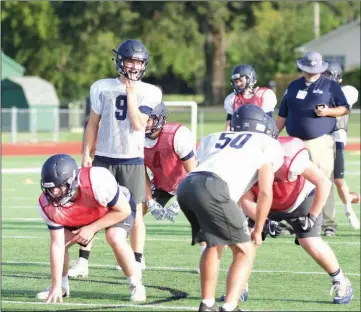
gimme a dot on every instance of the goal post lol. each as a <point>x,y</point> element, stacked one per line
<point>194,113</point>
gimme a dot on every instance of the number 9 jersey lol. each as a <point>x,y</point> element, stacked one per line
<point>116,138</point>
<point>236,157</point>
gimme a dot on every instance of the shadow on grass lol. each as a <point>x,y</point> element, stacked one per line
<point>175,294</point>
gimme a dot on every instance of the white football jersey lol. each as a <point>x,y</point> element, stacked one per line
<point>268,104</point>
<point>236,157</point>
<point>116,138</point>
<point>351,95</point>
<point>105,189</point>
<point>183,142</point>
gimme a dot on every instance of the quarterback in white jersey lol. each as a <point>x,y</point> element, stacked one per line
<point>76,204</point>
<point>334,72</point>
<point>243,82</point>
<point>120,108</point>
<point>116,136</point>
<point>229,164</point>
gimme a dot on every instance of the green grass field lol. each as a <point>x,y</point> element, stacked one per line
<point>284,277</point>
<point>213,120</point>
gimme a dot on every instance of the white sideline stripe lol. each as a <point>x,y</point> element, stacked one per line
<point>156,239</point>
<point>20,170</point>
<point>38,169</point>
<point>185,269</point>
<point>107,305</point>
<point>149,222</point>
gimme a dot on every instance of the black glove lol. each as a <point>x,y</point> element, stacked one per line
<point>307,222</point>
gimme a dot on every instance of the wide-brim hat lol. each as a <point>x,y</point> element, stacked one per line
<point>312,63</point>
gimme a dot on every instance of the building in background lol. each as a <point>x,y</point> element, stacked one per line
<point>341,44</point>
<point>36,102</point>
<point>10,68</point>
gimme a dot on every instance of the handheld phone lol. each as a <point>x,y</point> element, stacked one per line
<point>320,106</point>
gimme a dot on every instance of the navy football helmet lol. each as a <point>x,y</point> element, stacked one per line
<point>131,49</point>
<point>334,71</point>
<point>243,70</point>
<point>159,116</point>
<point>252,118</point>
<point>59,170</point>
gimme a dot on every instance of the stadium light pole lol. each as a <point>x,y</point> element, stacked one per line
<point>316,19</point>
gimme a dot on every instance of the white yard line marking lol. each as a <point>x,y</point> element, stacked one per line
<point>164,239</point>
<point>107,305</point>
<point>164,268</point>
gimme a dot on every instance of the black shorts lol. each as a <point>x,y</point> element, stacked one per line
<point>302,210</point>
<point>339,167</point>
<point>130,176</point>
<point>214,217</point>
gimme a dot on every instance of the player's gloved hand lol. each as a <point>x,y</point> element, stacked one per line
<point>156,209</point>
<point>307,222</point>
<point>172,211</point>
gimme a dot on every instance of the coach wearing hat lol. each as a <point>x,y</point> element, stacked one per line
<point>309,109</point>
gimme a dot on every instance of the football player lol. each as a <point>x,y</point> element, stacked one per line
<point>169,154</point>
<point>334,72</point>
<point>76,204</point>
<point>229,164</point>
<point>120,108</point>
<point>300,190</point>
<point>243,81</point>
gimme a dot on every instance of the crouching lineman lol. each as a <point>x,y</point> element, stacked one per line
<point>76,204</point>
<point>300,190</point>
<point>169,154</point>
<point>208,197</point>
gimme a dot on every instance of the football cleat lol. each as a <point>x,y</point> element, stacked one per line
<point>137,293</point>
<point>352,218</point>
<point>45,293</point>
<point>329,231</point>
<point>79,269</point>
<point>235,309</point>
<point>343,291</point>
<point>203,307</point>
<point>243,297</point>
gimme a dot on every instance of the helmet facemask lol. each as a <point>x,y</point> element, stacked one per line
<point>71,189</point>
<point>128,72</point>
<point>157,126</point>
<point>248,85</point>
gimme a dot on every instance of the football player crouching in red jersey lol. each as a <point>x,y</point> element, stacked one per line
<point>300,190</point>
<point>169,155</point>
<point>76,204</point>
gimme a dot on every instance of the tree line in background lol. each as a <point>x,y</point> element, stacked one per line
<point>193,46</point>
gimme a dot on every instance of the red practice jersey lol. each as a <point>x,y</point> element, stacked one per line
<point>286,188</point>
<point>257,99</point>
<point>84,210</point>
<point>163,161</point>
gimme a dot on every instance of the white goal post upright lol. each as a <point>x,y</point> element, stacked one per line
<point>194,112</point>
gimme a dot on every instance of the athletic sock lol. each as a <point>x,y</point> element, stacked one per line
<point>209,302</point>
<point>84,254</point>
<point>138,257</point>
<point>337,275</point>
